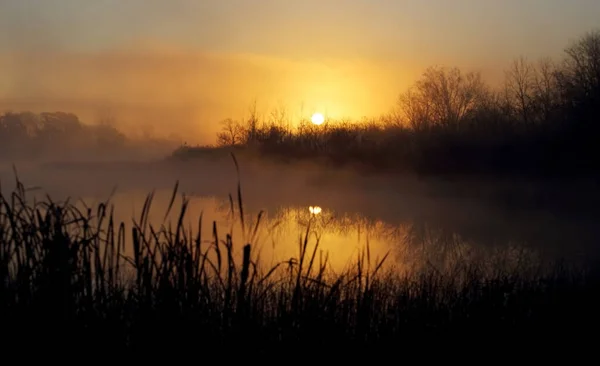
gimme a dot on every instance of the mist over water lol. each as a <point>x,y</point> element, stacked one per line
<point>416,222</point>
<point>270,178</point>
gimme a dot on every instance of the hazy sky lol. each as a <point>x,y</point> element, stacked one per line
<point>206,59</point>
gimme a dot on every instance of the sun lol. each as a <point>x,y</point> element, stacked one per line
<point>317,119</point>
<point>315,210</point>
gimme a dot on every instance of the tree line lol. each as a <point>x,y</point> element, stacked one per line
<point>32,135</point>
<point>544,118</point>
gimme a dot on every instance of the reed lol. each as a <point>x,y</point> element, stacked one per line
<point>68,279</point>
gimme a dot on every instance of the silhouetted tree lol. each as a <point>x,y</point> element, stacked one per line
<point>442,97</point>
<point>27,134</point>
<point>414,110</point>
<point>252,124</point>
<point>579,76</point>
<point>14,134</point>
<point>546,90</point>
<point>519,85</point>
<point>232,133</point>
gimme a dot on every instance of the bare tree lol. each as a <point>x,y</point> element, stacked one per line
<point>232,133</point>
<point>519,86</point>
<point>545,88</point>
<point>442,96</point>
<point>415,110</point>
<point>580,74</point>
<point>279,117</point>
<point>252,124</point>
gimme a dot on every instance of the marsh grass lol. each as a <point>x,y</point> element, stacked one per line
<point>69,282</point>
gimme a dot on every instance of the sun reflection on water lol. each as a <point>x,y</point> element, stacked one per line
<point>340,236</point>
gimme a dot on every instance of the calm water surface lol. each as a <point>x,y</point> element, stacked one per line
<point>344,216</point>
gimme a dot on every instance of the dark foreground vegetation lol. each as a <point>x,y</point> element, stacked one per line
<point>70,284</point>
<point>542,122</point>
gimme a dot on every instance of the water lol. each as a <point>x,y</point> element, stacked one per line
<point>413,224</point>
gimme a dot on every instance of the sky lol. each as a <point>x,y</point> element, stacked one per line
<point>183,65</point>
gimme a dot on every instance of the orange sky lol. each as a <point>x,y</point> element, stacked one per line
<point>193,91</point>
<point>178,67</point>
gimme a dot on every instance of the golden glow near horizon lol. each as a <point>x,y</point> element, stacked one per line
<point>317,119</point>
<point>176,64</point>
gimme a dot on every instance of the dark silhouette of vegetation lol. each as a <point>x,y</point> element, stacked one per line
<point>76,279</point>
<point>28,136</point>
<point>542,122</point>
<point>31,135</point>
<point>69,279</point>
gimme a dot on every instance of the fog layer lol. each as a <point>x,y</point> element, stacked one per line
<point>184,95</point>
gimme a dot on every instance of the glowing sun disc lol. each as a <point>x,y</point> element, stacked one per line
<point>317,119</point>
<point>315,210</point>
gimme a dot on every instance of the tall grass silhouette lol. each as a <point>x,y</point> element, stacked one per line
<point>69,279</point>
